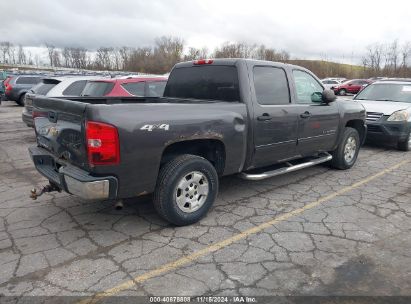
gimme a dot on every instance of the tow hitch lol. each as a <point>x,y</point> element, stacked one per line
<point>48,188</point>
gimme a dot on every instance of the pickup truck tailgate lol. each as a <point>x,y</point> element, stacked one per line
<point>59,128</point>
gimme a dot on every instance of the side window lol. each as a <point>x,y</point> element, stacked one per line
<point>75,88</point>
<point>271,86</point>
<point>156,88</point>
<point>28,80</point>
<point>135,88</point>
<point>307,87</point>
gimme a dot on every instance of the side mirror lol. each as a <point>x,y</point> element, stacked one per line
<point>328,96</point>
<point>317,97</point>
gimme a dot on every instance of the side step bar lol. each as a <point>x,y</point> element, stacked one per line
<point>291,168</point>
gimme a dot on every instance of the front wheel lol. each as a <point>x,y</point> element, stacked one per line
<point>406,144</point>
<point>186,189</point>
<point>342,92</point>
<point>345,156</point>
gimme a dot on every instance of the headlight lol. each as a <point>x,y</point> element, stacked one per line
<point>401,115</point>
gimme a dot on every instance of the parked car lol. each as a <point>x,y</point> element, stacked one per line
<point>131,86</point>
<point>339,79</point>
<point>351,86</point>
<point>68,86</point>
<point>330,84</point>
<point>17,87</point>
<point>217,117</point>
<point>388,105</point>
<point>3,77</point>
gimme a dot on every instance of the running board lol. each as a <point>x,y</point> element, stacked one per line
<point>325,157</point>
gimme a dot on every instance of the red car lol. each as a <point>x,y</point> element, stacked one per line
<point>123,87</point>
<point>351,86</point>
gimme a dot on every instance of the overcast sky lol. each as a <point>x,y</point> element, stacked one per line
<point>339,30</point>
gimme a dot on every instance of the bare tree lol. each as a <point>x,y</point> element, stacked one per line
<point>5,50</point>
<point>56,58</point>
<point>21,55</point>
<point>103,58</point>
<point>194,53</point>
<point>13,54</point>
<point>405,53</point>
<point>125,54</point>
<point>50,51</point>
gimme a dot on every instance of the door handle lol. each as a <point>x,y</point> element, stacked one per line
<point>264,117</point>
<point>306,114</point>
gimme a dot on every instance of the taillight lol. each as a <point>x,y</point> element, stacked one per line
<point>103,146</point>
<point>203,61</point>
<point>8,87</point>
<point>36,114</point>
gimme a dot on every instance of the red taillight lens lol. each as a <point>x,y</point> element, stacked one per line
<point>203,61</point>
<point>103,147</point>
<point>36,114</point>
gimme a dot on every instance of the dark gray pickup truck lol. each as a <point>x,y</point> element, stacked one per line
<point>217,117</point>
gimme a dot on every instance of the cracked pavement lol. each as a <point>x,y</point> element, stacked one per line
<point>357,243</point>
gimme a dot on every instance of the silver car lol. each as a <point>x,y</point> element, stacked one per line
<point>68,86</point>
<point>388,106</point>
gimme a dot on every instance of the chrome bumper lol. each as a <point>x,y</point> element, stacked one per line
<point>88,190</point>
<point>72,179</point>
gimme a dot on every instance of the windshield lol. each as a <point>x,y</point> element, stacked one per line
<point>386,92</point>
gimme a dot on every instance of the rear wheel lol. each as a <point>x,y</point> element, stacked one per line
<point>342,92</point>
<point>20,102</point>
<point>406,144</point>
<point>186,189</point>
<point>345,156</point>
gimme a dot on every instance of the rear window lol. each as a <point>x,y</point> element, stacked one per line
<point>75,88</point>
<point>211,82</point>
<point>43,88</point>
<point>134,88</point>
<point>156,88</point>
<point>28,80</point>
<point>97,88</point>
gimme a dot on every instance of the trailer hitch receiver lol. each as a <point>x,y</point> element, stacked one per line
<point>48,188</point>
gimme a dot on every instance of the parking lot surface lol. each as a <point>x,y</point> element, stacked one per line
<point>314,232</point>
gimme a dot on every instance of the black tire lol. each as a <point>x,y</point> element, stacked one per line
<point>166,192</point>
<point>342,92</point>
<point>339,160</point>
<point>20,102</point>
<point>406,144</point>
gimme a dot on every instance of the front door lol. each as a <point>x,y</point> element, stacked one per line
<point>318,121</point>
<point>275,118</point>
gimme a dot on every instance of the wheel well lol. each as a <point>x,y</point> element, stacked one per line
<point>211,149</point>
<point>21,95</point>
<point>359,126</point>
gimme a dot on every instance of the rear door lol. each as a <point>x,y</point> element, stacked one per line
<point>275,117</point>
<point>318,121</point>
<point>354,86</point>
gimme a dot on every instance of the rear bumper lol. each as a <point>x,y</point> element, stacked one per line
<point>72,179</point>
<point>388,131</point>
<point>10,96</point>
<point>27,118</point>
